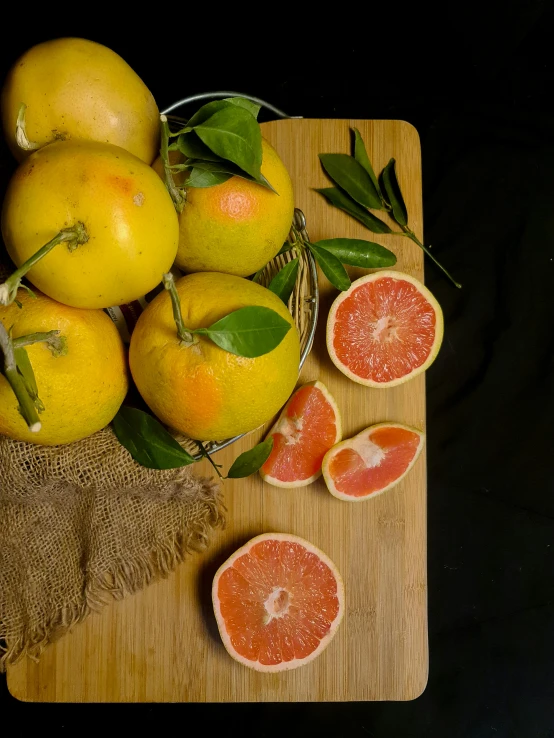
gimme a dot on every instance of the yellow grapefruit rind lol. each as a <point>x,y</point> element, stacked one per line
<point>439,329</point>
<point>331,400</point>
<point>295,663</point>
<point>347,444</point>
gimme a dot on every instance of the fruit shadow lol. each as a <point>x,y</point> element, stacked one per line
<point>204,581</point>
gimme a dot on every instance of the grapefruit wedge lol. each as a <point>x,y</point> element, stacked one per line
<point>309,425</point>
<point>278,602</point>
<point>372,462</point>
<point>385,329</point>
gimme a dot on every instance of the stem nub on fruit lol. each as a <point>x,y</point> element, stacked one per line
<point>178,194</point>
<point>29,401</point>
<point>186,336</point>
<point>21,132</point>
<point>73,236</point>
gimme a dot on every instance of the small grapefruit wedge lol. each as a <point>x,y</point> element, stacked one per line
<point>309,425</point>
<point>372,462</point>
<point>278,602</point>
<point>385,329</point>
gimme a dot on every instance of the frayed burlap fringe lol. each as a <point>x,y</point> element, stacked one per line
<point>68,549</point>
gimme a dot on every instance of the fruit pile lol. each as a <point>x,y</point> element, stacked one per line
<point>106,207</point>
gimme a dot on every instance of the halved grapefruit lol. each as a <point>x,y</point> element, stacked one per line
<point>385,329</point>
<point>372,462</point>
<point>309,425</point>
<point>278,602</point>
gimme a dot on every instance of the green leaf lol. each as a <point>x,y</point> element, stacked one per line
<point>394,194</point>
<point>287,246</point>
<point>356,252</point>
<point>350,175</point>
<point>250,461</point>
<point>250,331</point>
<point>234,134</point>
<point>243,102</point>
<point>340,200</point>
<point>204,178</point>
<point>207,110</point>
<point>331,267</point>
<point>227,167</point>
<point>283,282</point>
<point>192,147</point>
<point>360,154</point>
<point>147,440</point>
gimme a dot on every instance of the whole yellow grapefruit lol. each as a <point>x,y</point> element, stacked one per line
<point>201,390</point>
<point>238,226</point>
<point>77,89</point>
<point>81,389</point>
<point>128,215</point>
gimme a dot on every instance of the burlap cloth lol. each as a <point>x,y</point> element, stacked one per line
<point>83,524</point>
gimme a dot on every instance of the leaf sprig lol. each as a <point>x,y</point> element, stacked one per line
<point>330,254</point>
<point>221,140</point>
<point>152,446</point>
<point>358,191</point>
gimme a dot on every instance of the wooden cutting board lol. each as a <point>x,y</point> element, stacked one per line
<point>162,644</point>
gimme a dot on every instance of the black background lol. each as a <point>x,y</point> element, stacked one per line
<point>479,87</point>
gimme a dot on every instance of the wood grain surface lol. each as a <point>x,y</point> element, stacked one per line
<point>162,644</point>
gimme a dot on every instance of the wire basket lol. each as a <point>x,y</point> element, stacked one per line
<point>304,300</point>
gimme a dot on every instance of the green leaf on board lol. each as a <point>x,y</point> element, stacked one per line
<point>283,282</point>
<point>351,176</point>
<point>204,178</point>
<point>250,331</point>
<point>360,154</point>
<point>250,461</point>
<point>147,440</point>
<point>356,252</point>
<point>233,133</point>
<point>330,266</point>
<point>394,194</point>
<point>340,200</point>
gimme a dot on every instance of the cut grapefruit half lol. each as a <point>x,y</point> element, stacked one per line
<point>385,329</point>
<point>278,602</point>
<point>309,425</point>
<point>372,462</point>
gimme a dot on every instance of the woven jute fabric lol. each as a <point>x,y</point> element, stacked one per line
<point>83,524</point>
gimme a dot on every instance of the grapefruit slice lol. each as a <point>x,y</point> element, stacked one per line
<point>385,329</point>
<point>278,602</point>
<point>372,462</point>
<point>309,425</point>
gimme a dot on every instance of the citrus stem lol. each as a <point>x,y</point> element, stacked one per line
<point>207,456</point>
<point>52,339</point>
<point>73,236</point>
<point>26,403</point>
<point>177,193</point>
<point>186,336</point>
<point>21,132</point>
<point>410,234</point>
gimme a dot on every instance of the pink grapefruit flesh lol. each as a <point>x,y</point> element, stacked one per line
<point>278,602</point>
<point>372,462</point>
<point>385,329</point>
<point>309,425</point>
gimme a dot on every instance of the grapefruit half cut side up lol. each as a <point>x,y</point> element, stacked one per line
<point>309,425</point>
<point>372,462</point>
<point>385,329</point>
<point>278,602</point>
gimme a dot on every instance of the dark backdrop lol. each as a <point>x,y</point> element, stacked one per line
<point>479,88</point>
